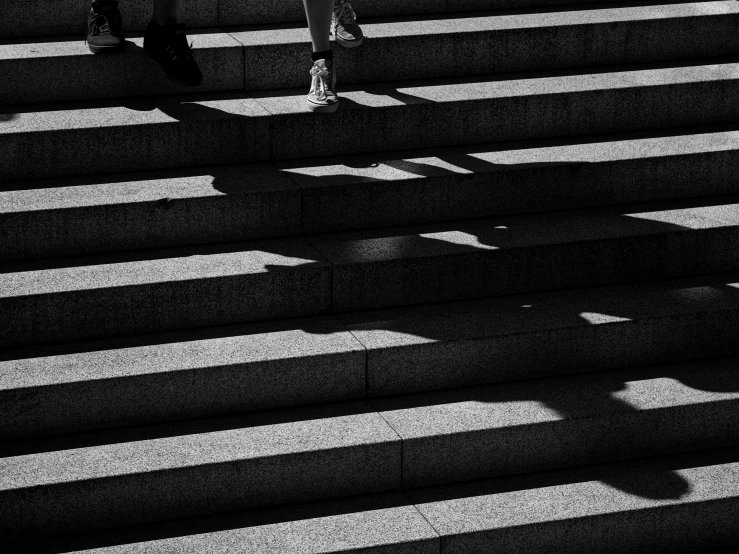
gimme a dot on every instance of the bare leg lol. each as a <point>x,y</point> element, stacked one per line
<point>165,12</point>
<point>319,14</point>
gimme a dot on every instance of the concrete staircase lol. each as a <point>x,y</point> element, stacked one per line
<point>490,305</point>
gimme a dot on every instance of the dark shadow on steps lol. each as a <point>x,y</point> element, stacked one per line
<point>224,523</point>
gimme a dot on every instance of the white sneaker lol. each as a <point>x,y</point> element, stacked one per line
<point>344,25</point>
<point>322,97</point>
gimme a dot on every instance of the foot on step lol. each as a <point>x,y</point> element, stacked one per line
<point>344,25</point>
<point>105,27</point>
<point>167,45</point>
<point>322,97</point>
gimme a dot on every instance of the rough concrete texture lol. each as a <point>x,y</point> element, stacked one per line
<point>146,210</point>
<point>216,128</point>
<point>509,428</point>
<point>371,524</point>
<point>396,116</point>
<point>256,12</point>
<point>506,255</point>
<point>480,181</point>
<point>172,207</point>
<point>667,505</point>
<point>29,67</point>
<point>196,468</point>
<point>158,290</point>
<point>446,46</point>
<point>484,341</point>
<point>23,18</point>
<point>61,140</point>
<point>179,375</point>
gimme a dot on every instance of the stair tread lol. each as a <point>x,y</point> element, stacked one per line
<point>192,443</point>
<point>549,400</point>
<point>155,185</point>
<point>205,106</point>
<point>262,57</point>
<point>479,23</point>
<point>505,513</point>
<point>161,376</point>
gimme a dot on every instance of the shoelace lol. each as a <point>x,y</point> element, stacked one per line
<point>179,48</point>
<point>318,84</point>
<point>344,13</point>
<point>98,24</point>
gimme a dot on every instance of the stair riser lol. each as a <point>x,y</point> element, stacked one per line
<point>215,488</point>
<point>180,143</point>
<point>428,124</point>
<point>184,394</point>
<point>512,189</point>
<point>673,528</point>
<point>80,75</point>
<point>569,443</point>
<point>68,17</point>
<point>187,392</point>
<point>492,52</point>
<point>162,306</point>
<point>152,224</point>
<point>466,274</point>
<point>474,273</point>
<point>366,204</point>
<point>551,352</point>
<point>234,139</point>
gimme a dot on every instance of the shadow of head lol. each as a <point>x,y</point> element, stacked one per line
<point>651,483</point>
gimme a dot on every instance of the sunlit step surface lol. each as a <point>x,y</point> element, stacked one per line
<point>68,17</point>
<point>211,372</point>
<point>274,57</point>
<point>177,207</point>
<point>56,140</point>
<point>678,503</point>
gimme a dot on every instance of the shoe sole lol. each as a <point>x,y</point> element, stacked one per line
<point>106,49</point>
<point>350,43</point>
<point>323,108</point>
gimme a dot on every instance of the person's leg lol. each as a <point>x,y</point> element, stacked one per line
<point>344,25</point>
<point>322,96</point>
<point>166,43</point>
<point>318,13</point>
<point>105,27</point>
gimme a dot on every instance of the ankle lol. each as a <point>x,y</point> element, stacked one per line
<point>323,55</point>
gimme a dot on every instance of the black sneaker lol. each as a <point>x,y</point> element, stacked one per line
<point>167,45</point>
<point>105,27</point>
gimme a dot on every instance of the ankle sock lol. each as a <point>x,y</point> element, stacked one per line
<point>325,55</point>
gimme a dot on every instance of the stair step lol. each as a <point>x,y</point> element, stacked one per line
<point>148,291</point>
<point>509,428</point>
<point>517,254</point>
<point>143,210</point>
<point>144,474</point>
<point>113,294</point>
<point>452,45</point>
<point>668,505</point>
<point>230,203</point>
<point>274,58</point>
<point>178,375</point>
<point>451,345</point>
<point>139,475</point>
<point>656,505</point>
<point>69,17</point>
<point>64,139</point>
<point>76,73</point>
<point>212,372</point>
